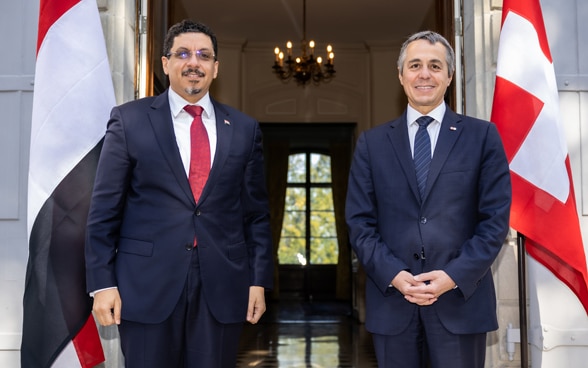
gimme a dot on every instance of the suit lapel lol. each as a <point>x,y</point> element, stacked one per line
<point>224,136</point>
<point>398,136</point>
<point>450,131</point>
<point>162,124</point>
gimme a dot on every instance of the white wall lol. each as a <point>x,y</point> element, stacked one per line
<point>18,27</point>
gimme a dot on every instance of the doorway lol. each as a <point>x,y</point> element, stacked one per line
<point>307,166</point>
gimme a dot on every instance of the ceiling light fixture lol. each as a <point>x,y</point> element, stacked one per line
<point>304,68</point>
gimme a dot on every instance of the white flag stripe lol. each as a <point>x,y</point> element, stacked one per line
<point>68,358</point>
<point>522,62</point>
<point>66,124</point>
<point>541,161</point>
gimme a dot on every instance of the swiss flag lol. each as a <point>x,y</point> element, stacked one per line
<point>526,111</point>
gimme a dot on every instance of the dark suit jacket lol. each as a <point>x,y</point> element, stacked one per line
<point>461,222</point>
<point>143,217</point>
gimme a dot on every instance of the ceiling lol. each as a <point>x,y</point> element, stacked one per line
<point>327,21</point>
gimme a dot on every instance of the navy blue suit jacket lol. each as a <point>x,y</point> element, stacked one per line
<point>461,222</point>
<point>143,217</point>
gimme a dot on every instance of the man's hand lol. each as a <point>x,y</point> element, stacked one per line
<point>433,284</point>
<point>414,290</point>
<point>256,306</point>
<point>107,305</point>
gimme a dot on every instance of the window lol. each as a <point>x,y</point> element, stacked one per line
<point>308,231</point>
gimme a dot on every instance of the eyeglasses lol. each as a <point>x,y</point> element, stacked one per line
<point>202,55</point>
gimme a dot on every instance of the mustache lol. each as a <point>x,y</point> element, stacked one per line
<point>198,72</point>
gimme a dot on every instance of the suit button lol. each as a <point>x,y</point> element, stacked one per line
<point>423,220</point>
<point>416,256</point>
<point>189,246</point>
<point>197,212</point>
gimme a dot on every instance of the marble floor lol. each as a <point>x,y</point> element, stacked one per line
<point>295,334</point>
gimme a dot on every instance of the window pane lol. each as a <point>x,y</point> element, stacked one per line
<point>294,224</point>
<point>324,251</point>
<point>295,199</point>
<point>321,199</point>
<point>320,168</point>
<point>291,251</point>
<point>322,224</point>
<point>297,168</point>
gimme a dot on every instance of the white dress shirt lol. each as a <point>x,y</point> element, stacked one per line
<point>182,121</point>
<point>433,129</point>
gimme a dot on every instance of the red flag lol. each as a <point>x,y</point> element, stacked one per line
<point>526,111</point>
<point>72,99</point>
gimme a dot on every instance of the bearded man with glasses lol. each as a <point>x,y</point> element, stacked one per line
<point>178,248</point>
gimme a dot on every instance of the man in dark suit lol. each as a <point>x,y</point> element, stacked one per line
<point>177,270</point>
<point>430,296</point>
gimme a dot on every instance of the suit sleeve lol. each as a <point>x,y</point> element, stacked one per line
<point>256,217</point>
<point>494,198</point>
<point>379,262</point>
<point>105,215</point>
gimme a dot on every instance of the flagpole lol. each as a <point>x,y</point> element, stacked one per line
<point>523,299</point>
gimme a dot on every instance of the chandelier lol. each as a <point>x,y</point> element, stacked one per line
<point>304,68</point>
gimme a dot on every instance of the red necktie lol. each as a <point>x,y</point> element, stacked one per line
<point>199,152</point>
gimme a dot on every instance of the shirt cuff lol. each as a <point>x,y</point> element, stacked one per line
<point>99,290</point>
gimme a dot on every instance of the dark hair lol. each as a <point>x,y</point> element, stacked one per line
<point>433,38</point>
<point>186,26</point>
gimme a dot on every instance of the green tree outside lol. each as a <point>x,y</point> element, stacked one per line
<point>321,232</point>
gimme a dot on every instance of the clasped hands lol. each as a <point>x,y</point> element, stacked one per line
<point>425,288</point>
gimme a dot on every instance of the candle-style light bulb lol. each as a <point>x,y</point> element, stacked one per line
<point>277,52</point>
<point>289,48</point>
<point>319,60</point>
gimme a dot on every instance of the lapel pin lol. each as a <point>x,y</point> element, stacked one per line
<point>227,122</point>
<point>452,128</point>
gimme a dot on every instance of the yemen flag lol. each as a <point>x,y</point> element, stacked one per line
<point>526,111</point>
<point>73,96</point>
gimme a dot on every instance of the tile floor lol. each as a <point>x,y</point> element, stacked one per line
<point>298,334</point>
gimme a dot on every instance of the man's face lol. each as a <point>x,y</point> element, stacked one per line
<point>425,75</point>
<point>191,77</point>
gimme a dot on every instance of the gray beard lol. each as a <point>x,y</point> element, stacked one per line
<point>193,91</point>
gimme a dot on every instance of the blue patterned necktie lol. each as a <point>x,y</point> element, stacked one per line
<point>422,153</point>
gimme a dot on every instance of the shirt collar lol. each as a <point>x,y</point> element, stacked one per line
<point>177,103</point>
<point>437,113</point>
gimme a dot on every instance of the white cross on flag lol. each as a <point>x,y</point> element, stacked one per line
<point>526,111</point>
